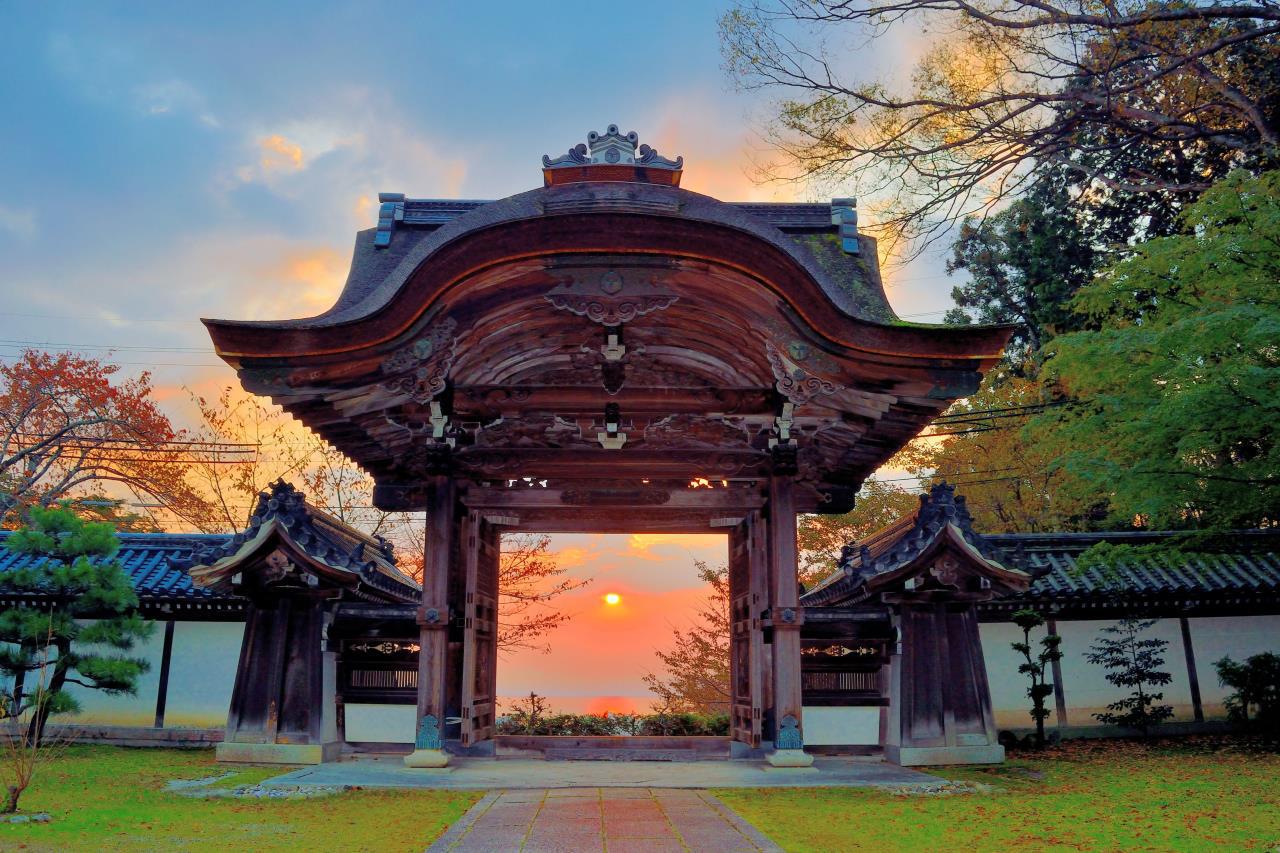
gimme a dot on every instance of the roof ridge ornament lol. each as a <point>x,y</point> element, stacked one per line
<point>613,148</point>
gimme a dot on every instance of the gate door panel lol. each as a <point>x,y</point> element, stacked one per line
<point>745,641</point>
<point>481,555</point>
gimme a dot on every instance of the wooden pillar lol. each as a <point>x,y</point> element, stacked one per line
<point>940,700</point>
<point>162,689</point>
<point>1059,692</point>
<point>433,622</point>
<point>1192,678</point>
<point>786,618</point>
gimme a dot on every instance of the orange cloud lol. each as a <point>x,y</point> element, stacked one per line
<point>641,545</point>
<point>280,153</point>
<point>321,271</point>
<point>568,558</point>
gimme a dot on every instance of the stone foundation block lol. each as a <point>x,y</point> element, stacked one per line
<point>278,753</point>
<point>790,758</point>
<point>935,756</point>
<point>427,758</point>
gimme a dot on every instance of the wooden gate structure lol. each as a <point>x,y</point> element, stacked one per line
<point>610,353</point>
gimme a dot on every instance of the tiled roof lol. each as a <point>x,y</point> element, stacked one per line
<point>152,561</point>
<point>434,212</point>
<point>872,561</point>
<point>367,562</point>
<point>1249,562</point>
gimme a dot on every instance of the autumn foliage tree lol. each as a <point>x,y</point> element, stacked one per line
<point>69,425</point>
<point>695,673</point>
<point>1144,98</point>
<point>1011,481</point>
<point>819,538</point>
<point>529,582</point>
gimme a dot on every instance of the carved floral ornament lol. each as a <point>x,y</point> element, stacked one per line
<point>696,431</point>
<point>792,381</point>
<point>838,651</point>
<point>386,647</point>
<point>421,369</point>
<point>530,431</point>
<point>611,297</point>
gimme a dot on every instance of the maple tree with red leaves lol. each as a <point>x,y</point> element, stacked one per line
<point>68,426</point>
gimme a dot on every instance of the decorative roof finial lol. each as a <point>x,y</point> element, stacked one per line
<point>613,148</point>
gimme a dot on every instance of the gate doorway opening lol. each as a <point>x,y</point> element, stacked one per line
<point>583,688</point>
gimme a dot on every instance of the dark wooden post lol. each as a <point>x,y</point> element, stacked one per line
<point>1059,692</point>
<point>162,689</point>
<point>282,703</point>
<point>1192,678</point>
<point>433,622</point>
<point>940,701</point>
<point>786,618</point>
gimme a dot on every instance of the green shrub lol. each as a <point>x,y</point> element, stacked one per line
<point>530,717</point>
<point>1256,682</point>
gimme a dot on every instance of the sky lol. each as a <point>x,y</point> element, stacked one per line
<point>162,162</point>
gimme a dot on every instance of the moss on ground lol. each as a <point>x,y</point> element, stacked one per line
<point>1197,795</point>
<point>112,798</point>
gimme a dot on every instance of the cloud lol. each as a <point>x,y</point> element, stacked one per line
<point>19,223</point>
<point>109,73</point>
<point>326,161</point>
<point>320,270</point>
<point>173,97</point>
<point>692,124</point>
<point>572,557</point>
<point>276,155</point>
<point>672,546</point>
<point>279,153</point>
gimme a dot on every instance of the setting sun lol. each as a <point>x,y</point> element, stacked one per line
<point>612,598</point>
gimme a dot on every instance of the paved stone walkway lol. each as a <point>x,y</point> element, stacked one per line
<point>603,820</point>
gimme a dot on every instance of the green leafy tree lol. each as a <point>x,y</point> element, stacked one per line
<point>1035,666</point>
<point>1177,380</point>
<point>1024,264</point>
<point>90,618</point>
<point>1132,661</point>
<point>1255,699</point>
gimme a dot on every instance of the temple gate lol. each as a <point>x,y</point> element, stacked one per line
<point>611,353</point>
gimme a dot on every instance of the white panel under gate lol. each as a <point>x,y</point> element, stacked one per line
<point>381,723</point>
<point>827,726</point>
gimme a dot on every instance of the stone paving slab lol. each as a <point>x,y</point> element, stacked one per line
<point>568,777</point>
<point>607,820</point>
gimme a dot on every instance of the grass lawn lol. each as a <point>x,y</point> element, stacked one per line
<point>1191,795</point>
<point>109,798</point>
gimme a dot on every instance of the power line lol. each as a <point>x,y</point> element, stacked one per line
<point>15,342</point>
<point>214,444</point>
<point>997,409</point>
<point>100,319</point>
<point>12,359</point>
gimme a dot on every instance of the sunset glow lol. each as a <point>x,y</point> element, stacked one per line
<point>612,598</point>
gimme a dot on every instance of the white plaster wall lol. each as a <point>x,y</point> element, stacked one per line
<point>825,726</point>
<point>136,710</point>
<point>1237,637</point>
<point>382,723</point>
<point>1009,687</point>
<point>203,672</point>
<point>1085,685</point>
